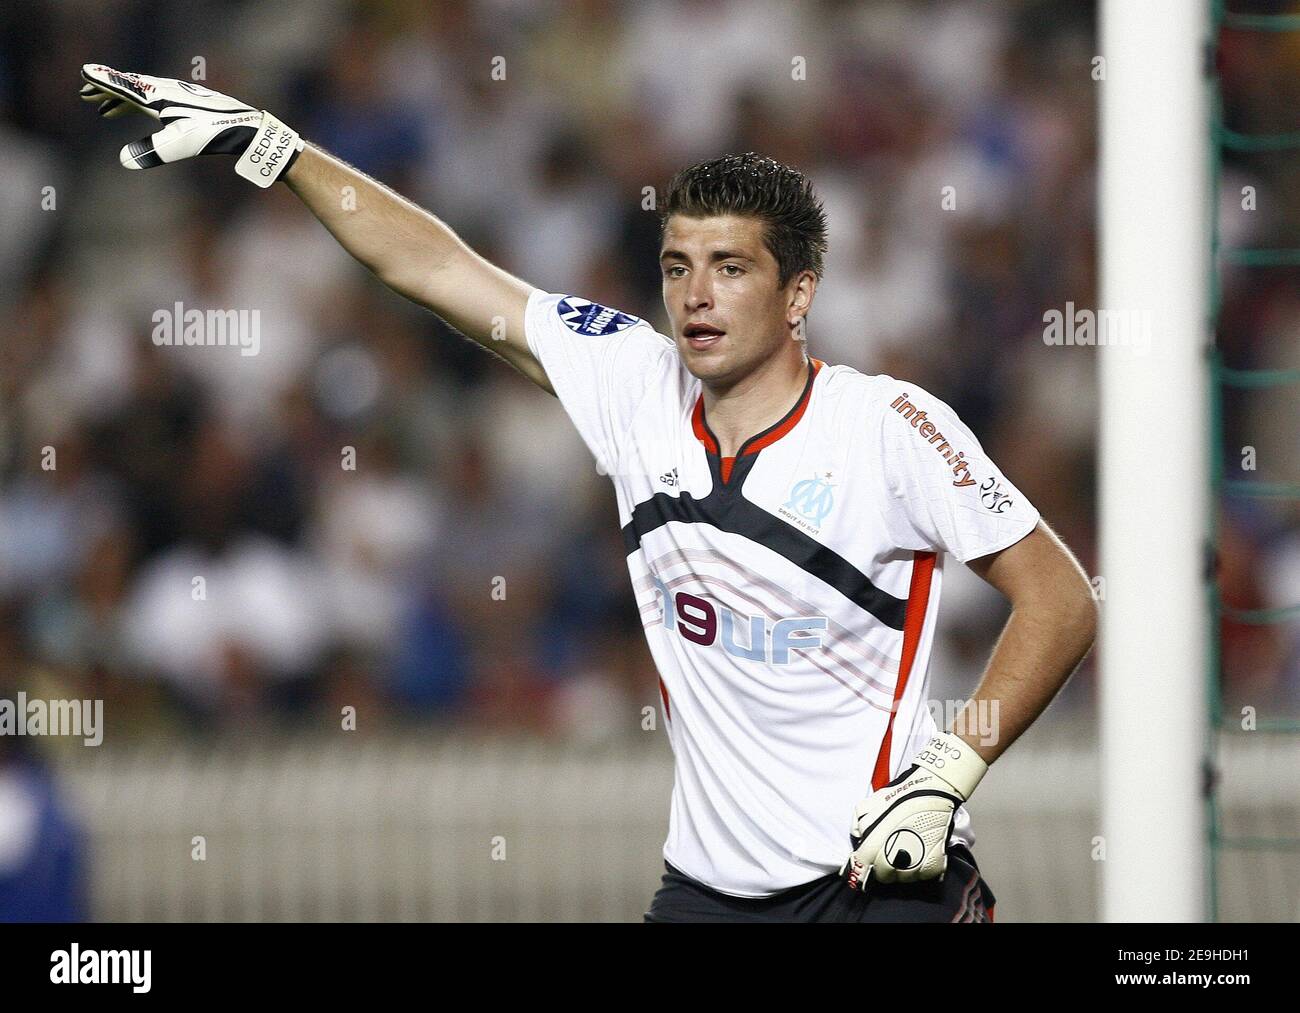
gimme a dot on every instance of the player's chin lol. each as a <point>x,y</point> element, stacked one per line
<point>709,362</point>
<point>710,369</point>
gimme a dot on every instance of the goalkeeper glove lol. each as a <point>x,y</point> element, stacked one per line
<point>901,831</point>
<point>195,121</point>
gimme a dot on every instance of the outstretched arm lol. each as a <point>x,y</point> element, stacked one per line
<point>417,256</point>
<point>410,250</point>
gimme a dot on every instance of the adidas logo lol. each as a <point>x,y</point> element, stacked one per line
<point>669,478</point>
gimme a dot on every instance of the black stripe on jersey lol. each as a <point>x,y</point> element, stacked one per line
<point>739,516</point>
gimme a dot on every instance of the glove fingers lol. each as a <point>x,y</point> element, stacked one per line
<point>184,137</point>
<point>164,146</point>
<point>857,875</point>
<point>113,108</point>
<point>931,870</point>
<point>127,87</point>
<point>107,102</point>
<point>139,154</point>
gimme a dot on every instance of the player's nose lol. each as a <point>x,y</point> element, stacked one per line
<point>699,294</point>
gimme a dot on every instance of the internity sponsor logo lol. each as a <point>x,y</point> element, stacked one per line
<point>178,326</point>
<point>991,493</point>
<point>75,966</point>
<point>932,435</point>
<point>82,719</point>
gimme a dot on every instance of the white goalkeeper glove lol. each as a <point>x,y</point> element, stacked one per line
<point>900,831</point>
<point>196,121</point>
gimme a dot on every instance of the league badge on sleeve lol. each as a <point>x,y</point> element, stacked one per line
<point>586,317</point>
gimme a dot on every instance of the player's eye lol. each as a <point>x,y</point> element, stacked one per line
<point>671,271</point>
<point>733,270</point>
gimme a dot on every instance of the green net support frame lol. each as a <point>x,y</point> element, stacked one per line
<point>1223,139</point>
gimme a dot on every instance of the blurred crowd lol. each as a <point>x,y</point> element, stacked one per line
<point>181,533</point>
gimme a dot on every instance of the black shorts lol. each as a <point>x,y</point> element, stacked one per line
<point>961,896</point>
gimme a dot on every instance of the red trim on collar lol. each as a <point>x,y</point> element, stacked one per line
<point>754,444</point>
<point>697,423</point>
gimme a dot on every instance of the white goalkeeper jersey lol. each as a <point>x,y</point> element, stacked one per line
<point>789,594</point>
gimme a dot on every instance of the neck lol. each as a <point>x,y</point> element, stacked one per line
<point>756,402</point>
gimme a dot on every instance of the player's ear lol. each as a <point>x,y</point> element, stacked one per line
<point>802,289</point>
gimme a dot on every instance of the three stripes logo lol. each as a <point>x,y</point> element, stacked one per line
<point>669,478</point>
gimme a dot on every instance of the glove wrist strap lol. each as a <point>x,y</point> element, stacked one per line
<point>271,152</point>
<point>953,760</point>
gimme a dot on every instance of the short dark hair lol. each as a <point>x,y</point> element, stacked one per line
<point>752,184</point>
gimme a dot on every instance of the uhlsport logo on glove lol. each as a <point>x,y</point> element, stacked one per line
<point>904,849</point>
<point>902,829</point>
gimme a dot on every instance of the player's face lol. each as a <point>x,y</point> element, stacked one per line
<point>720,289</point>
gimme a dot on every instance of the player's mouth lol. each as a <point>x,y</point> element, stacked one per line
<point>701,336</point>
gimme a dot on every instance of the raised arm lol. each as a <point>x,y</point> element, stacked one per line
<point>418,256</point>
<point>408,249</point>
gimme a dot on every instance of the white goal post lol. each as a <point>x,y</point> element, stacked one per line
<point>1154,206</point>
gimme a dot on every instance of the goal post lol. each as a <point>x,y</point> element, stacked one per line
<point>1153,454</point>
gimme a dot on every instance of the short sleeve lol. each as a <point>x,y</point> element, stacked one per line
<point>942,491</point>
<point>600,362</point>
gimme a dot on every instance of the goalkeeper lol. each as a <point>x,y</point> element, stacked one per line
<point>786,524</point>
